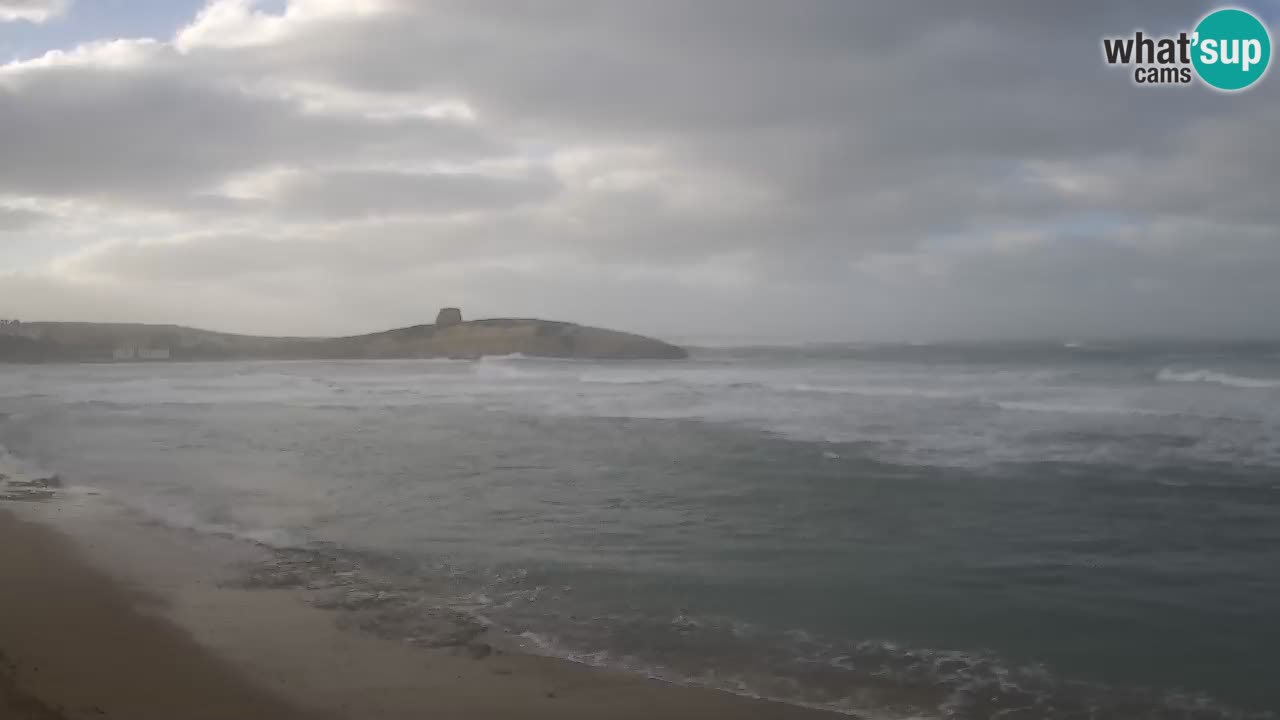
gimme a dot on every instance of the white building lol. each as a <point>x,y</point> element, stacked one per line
<point>18,329</point>
<point>135,351</point>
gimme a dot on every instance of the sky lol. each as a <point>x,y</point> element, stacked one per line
<point>720,170</point>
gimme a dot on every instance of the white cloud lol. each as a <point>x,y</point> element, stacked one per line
<point>230,24</point>
<point>35,11</point>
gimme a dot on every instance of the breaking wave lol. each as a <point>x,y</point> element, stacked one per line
<point>475,611</point>
<point>23,480</point>
<point>1072,409</point>
<point>1216,378</point>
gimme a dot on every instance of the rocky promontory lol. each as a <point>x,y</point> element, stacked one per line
<point>449,337</point>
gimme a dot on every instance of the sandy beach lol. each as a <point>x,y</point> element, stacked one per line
<point>84,638</point>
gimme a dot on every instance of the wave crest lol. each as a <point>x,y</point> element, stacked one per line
<point>1214,377</point>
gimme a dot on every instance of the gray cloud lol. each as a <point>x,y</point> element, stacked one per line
<point>814,170</point>
<point>381,193</point>
<point>156,128</point>
<point>18,219</point>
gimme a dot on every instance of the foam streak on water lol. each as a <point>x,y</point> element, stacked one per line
<point>963,532</point>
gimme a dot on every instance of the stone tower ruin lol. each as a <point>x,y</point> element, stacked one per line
<point>448,316</point>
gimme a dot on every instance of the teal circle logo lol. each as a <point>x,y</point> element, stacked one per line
<point>1232,49</point>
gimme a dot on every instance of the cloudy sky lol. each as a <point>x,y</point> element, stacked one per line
<point>719,169</point>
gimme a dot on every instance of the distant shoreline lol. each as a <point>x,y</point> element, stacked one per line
<point>124,342</point>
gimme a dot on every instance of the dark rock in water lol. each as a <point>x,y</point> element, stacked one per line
<point>28,488</point>
<point>53,481</point>
<point>26,495</point>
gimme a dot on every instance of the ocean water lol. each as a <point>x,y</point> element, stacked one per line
<point>1013,531</point>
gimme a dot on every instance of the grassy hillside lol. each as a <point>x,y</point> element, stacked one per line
<point>103,342</point>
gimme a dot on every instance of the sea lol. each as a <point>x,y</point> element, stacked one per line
<point>1025,530</point>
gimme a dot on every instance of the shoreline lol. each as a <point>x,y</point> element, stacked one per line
<point>109,621</point>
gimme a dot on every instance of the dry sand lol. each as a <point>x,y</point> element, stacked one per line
<point>83,638</point>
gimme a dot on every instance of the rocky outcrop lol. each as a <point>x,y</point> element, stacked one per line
<point>541,338</point>
<point>449,337</point>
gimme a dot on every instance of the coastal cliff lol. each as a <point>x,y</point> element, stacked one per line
<point>449,337</point>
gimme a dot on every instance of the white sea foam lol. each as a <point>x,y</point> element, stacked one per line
<point>1216,378</point>
<point>879,391</point>
<point>500,371</point>
<point>602,379</point>
<point>180,518</point>
<point>521,357</point>
<point>1071,408</point>
<point>541,644</point>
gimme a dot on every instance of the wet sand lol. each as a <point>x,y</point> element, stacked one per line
<point>76,644</point>
<point>81,637</point>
